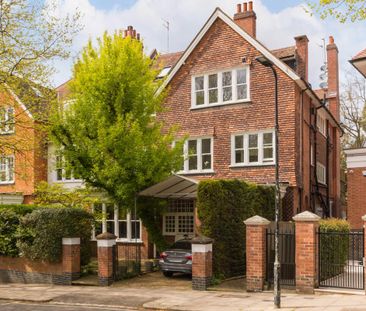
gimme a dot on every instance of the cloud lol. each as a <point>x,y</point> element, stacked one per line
<point>186,18</point>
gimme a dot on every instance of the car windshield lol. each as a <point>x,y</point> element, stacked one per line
<point>182,245</point>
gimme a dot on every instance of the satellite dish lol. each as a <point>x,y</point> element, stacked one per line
<point>323,68</point>
<point>323,85</point>
<point>323,76</point>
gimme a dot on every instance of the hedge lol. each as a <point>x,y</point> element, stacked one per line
<point>222,207</point>
<point>334,244</point>
<point>9,223</point>
<point>40,233</point>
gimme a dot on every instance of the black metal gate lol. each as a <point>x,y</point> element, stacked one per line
<point>341,259</point>
<point>286,255</point>
<point>127,261</point>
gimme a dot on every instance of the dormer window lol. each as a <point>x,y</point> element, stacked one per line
<point>220,88</point>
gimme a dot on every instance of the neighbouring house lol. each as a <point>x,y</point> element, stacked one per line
<point>223,99</point>
<point>23,160</point>
<point>356,167</point>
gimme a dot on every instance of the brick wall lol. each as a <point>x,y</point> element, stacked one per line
<point>356,197</point>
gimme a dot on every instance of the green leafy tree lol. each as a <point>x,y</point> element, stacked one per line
<point>342,10</point>
<point>109,132</point>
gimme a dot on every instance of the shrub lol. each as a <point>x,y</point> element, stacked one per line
<point>334,243</point>
<point>222,207</point>
<point>40,233</point>
<point>9,222</point>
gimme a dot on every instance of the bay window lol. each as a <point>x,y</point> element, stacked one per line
<point>252,149</point>
<point>119,222</point>
<point>223,87</point>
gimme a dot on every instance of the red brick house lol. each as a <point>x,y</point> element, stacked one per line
<point>23,160</point>
<point>356,167</point>
<point>223,99</point>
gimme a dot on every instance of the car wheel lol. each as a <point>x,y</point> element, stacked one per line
<point>168,274</point>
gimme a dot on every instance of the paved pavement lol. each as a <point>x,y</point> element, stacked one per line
<point>58,298</point>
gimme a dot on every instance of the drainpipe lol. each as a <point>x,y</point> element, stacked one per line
<point>327,170</point>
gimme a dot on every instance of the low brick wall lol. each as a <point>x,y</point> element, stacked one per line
<point>22,270</point>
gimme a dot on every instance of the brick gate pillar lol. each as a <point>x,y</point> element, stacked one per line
<point>256,252</point>
<point>201,263</point>
<point>306,258</point>
<point>106,243</point>
<point>70,260</point>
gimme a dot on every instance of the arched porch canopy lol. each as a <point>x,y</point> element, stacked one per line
<point>174,187</point>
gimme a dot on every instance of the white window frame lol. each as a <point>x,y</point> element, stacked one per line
<point>234,85</point>
<point>261,161</point>
<point>7,171</point>
<point>63,169</point>
<point>116,221</point>
<point>199,156</point>
<point>321,173</point>
<point>7,119</point>
<point>321,123</point>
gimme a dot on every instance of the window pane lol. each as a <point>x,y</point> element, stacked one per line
<point>227,94</point>
<point>241,76</point>
<point>135,229</point>
<point>268,153</point>
<point>253,141</point>
<point>206,145</point>
<point>226,78</point>
<point>122,230</point>
<point>192,163</point>
<point>267,138</point>
<point>10,169</point>
<point>110,211</point>
<point>192,147</point>
<point>239,142</point>
<point>212,81</point>
<point>239,156</point>
<point>253,155</point>
<point>185,224</point>
<point>169,223</point>
<point>122,214</point>
<point>200,98</point>
<point>98,228</point>
<point>212,96</point>
<point>242,91</point>
<point>97,208</point>
<point>110,227</point>
<point>206,162</point>
<point>199,83</point>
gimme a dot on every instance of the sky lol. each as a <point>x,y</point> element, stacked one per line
<point>278,22</point>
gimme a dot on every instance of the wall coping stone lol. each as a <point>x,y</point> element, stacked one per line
<point>257,221</point>
<point>202,240</point>
<point>306,217</point>
<point>106,236</point>
<point>70,241</point>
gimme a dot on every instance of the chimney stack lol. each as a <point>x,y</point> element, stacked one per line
<point>246,18</point>
<point>333,78</point>
<point>302,56</point>
<point>130,32</point>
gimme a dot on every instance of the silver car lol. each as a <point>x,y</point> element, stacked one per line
<point>177,258</point>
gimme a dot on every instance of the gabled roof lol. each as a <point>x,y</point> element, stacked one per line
<point>359,62</point>
<point>218,13</point>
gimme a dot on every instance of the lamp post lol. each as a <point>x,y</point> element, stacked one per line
<point>276,269</point>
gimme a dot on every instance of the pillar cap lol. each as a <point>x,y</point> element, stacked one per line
<point>306,217</point>
<point>364,217</point>
<point>106,236</point>
<point>257,221</point>
<point>202,240</point>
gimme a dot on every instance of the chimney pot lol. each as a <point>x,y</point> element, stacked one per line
<point>245,7</point>
<point>331,40</point>
<point>125,33</point>
<point>134,33</point>
<point>250,6</point>
<point>238,8</point>
<point>129,28</point>
<point>138,36</point>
